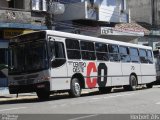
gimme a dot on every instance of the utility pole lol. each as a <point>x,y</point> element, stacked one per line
<point>49,16</point>
<point>153,12</point>
<point>53,8</point>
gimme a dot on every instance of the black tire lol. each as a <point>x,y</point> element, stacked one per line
<point>126,87</point>
<point>104,90</point>
<point>149,85</point>
<point>75,90</point>
<point>133,84</point>
<point>43,94</point>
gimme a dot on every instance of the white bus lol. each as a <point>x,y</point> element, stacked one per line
<point>52,61</point>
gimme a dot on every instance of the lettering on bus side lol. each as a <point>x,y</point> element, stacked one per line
<point>79,66</point>
<point>93,81</point>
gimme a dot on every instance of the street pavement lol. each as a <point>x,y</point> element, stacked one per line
<point>118,101</point>
<point>142,104</point>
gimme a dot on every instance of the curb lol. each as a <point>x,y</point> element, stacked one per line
<point>11,97</point>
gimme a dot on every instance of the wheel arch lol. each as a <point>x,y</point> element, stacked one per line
<point>133,73</point>
<point>80,78</point>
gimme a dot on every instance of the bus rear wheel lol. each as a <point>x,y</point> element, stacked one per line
<point>75,90</point>
<point>133,83</point>
<point>104,90</point>
<point>43,94</point>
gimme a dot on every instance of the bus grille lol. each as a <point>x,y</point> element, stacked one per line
<point>24,80</point>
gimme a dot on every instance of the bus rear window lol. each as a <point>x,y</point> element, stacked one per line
<point>150,56</point>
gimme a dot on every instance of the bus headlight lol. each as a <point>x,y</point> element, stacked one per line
<point>45,78</point>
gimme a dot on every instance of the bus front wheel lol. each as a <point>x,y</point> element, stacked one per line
<point>75,90</point>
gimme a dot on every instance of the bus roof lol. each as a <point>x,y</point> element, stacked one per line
<point>84,37</point>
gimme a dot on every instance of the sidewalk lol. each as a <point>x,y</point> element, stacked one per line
<point>5,95</point>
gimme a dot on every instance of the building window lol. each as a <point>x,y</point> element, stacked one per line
<point>111,2</point>
<point>19,4</point>
<point>39,5</point>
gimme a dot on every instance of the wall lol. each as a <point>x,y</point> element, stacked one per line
<point>157,12</point>
<point>3,3</point>
<point>140,10</point>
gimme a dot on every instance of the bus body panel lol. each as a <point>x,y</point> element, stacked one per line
<point>109,74</point>
<point>116,74</point>
<point>148,72</point>
<point>126,71</point>
<point>136,69</point>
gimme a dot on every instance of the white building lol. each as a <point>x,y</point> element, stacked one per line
<point>93,17</point>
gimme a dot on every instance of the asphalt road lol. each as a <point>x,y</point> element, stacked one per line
<point>90,105</point>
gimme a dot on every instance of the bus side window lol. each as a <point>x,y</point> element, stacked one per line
<point>150,56</point>
<point>87,50</point>
<point>143,56</point>
<point>101,51</point>
<point>73,49</point>
<point>124,54</point>
<point>113,53</point>
<point>134,55</point>
<point>59,54</point>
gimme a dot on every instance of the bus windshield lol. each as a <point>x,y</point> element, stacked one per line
<point>26,57</point>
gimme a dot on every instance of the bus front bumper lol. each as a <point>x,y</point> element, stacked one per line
<point>14,89</point>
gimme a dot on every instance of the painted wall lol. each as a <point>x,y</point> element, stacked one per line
<point>157,12</point>
<point>140,10</point>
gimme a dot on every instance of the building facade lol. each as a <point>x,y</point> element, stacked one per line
<point>147,14</point>
<point>93,13</point>
<point>98,18</point>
